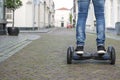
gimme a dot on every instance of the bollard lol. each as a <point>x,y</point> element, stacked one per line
<point>117,28</point>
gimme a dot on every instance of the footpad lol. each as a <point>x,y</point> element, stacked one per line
<point>82,57</point>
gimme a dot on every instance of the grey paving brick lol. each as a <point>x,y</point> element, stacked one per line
<point>9,45</point>
<point>45,59</point>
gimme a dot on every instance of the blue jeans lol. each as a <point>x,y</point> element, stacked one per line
<point>83,6</point>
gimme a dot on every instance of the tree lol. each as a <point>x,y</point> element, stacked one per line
<point>70,18</point>
<point>13,5</point>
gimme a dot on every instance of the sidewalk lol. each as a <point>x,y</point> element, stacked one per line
<point>112,35</point>
<point>9,45</point>
<point>109,34</point>
<point>42,30</point>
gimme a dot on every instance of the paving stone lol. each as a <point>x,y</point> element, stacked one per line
<point>9,45</point>
<point>45,59</point>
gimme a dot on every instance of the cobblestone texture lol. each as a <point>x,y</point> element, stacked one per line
<point>9,45</point>
<point>45,59</point>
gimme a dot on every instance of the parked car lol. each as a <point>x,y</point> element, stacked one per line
<point>69,26</point>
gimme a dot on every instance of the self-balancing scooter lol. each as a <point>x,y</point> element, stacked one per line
<point>109,55</point>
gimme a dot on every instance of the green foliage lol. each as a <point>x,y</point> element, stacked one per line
<point>13,4</point>
<point>70,18</point>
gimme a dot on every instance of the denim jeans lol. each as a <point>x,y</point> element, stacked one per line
<point>83,6</point>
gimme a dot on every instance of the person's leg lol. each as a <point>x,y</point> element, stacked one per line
<point>83,6</point>
<point>100,24</point>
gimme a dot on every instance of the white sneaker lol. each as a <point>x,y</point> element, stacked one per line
<point>79,50</point>
<point>101,50</point>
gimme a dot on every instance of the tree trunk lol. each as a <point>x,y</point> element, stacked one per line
<point>13,17</point>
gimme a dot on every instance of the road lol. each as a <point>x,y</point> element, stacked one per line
<point>45,59</point>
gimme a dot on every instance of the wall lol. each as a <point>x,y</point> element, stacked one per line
<point>58,17</point>
<point>112,13</point>
<point>32,15</point>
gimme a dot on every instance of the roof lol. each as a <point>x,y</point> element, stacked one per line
<point>63,8</point>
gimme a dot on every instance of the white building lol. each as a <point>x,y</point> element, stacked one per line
<point>34,14</point>
<point>62,17</point>
<point>112,14</point>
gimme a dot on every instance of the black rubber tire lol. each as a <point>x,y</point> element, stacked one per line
<point>70,52</point>
<point>111,52</point>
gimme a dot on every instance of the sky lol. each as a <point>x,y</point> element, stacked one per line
<point>63,3</point>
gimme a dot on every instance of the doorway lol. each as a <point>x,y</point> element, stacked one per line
<point>62,24</point>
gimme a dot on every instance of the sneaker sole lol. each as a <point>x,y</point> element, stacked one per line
<point>79,52</point>
<point>101,52</point>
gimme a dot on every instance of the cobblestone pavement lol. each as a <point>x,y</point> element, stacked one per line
<point>9,45</point>
<point>45,59</point>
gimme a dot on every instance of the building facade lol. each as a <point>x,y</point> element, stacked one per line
<point>2,18</point>
<point>34,14</point>
<point>112,14</point>
<point>62,17</point>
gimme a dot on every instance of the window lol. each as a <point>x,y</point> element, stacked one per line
<point>9,14</point>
